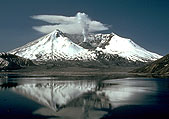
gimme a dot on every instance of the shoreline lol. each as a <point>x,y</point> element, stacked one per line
<point>113,72</point>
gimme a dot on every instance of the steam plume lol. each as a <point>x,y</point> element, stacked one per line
<point>78,24</point>
<point>83,20</point>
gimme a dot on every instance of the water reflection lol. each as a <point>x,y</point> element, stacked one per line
<point>128,91</point>
<point>88,98</point>
<point>55,94</point>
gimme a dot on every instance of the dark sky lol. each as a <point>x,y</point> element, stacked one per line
<point>146,22</point>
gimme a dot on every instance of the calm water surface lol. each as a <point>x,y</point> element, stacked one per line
<point>83,98</point>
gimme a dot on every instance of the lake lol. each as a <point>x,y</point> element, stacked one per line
<point>83,97</point>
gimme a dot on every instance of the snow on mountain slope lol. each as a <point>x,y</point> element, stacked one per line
<point>54,46</point>
<point>126,48</point>
<point>59,46</point>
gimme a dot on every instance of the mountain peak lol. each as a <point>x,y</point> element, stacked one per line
<point>53,46</point>
<point>57,33</point>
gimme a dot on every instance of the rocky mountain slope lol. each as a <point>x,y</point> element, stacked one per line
<point>160,66</point>
<point>12,62</point>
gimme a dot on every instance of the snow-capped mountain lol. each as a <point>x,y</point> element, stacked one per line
<point>59,46</point>
<point>114,44</point>
<point>54,46</point>
<point>126,48</point>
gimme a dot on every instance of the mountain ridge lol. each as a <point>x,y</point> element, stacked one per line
<point>57,46</point>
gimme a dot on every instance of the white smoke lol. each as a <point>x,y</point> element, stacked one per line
<point>78,24</point>
<point>83,20</point>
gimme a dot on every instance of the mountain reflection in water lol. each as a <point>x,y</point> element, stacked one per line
<point>87,97</point>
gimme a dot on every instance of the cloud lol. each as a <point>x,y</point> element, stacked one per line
<point>78,24</point>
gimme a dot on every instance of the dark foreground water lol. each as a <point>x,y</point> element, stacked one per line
<point>83,98</point>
